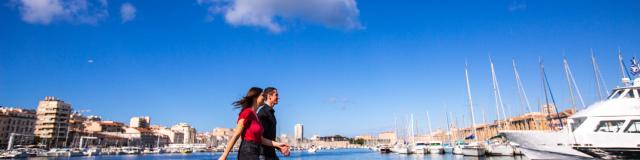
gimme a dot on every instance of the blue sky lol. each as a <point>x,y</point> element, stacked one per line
<point>342,66</point>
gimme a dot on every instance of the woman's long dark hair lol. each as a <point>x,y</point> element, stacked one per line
<point>248,100</point>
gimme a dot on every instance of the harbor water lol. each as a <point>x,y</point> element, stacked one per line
<point>339,154</point>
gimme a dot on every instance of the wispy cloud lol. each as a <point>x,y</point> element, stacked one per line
<point>127,12</point>
<point>73,11</point>
<point>274,14</point>
<point>341,102</point>
<point>517,6</point>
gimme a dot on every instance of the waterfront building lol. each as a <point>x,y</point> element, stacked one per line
<point>140,122</point>
<point>365,137</point>
<point>76,129</point>
<point>284,138</point>
<point>333,138</point>
<point>174,137</point>
<point>388,137</point>
<point>108,133</point>
<point>188,132</point>
<point>20,122</point>
<point>103,126</point>
<point>298,133</point>
<point>141,137</point>
<point>315,137</point>
<point>221,136</point>
<point>52,124</point>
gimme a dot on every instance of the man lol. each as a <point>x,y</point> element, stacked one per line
<point>268,120</point>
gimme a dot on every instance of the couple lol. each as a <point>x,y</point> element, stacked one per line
<point>258,131</point>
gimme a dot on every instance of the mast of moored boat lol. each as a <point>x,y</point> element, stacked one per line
<point>598,76</point>
<point>571,83</point>
<point>470,101</point>
<point>545,86</point>
<point>522,94</point>
<point>498,99</point>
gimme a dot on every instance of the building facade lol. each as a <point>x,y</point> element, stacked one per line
<point>19,122</point>
<point>188,132</point>
<point>174,137</point>
<point>298,134</point>
<point>140,122</point>
<point>52,124</point>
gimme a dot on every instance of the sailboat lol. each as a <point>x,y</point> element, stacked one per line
<point>474,148</point>
<point>497,146</point>
<point>404,147</point>
<point>448,148</point>
<point>608,129</point>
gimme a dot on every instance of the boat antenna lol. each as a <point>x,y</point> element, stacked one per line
<point>625,75</point>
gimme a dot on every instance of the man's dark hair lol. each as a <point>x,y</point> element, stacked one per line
<point>268,91</point>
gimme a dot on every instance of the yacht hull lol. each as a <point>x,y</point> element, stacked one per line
<point>473,151</point>
<point>544,145</point>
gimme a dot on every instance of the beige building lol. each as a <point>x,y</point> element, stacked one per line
<point>175,137</point>
<point>21,122</point>
<point>188,132</point>
<point>103,126</point>
<point>52,124</point>
<point>298,132</point>
<point>387,137</point>
<point>364,137</point>
<point>140,122</point>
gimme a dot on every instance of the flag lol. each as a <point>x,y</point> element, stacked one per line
<point>472,136</point>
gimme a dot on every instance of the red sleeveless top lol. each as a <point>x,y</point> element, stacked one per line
<point>252,126</point>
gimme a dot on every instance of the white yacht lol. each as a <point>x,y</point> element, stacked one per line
<point>499,147</point>
<point>131,150</point>
<point>474,149</point>
<point>608,129</point>
<point>435,147</point>
<point>420,148</point>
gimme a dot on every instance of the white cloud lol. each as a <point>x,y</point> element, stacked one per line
<point>75,11</point>
<point>516,6</point>
<point>272,14</point>
<point>127,12</point>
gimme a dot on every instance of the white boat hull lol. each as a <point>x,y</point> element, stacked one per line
<point>473,151</point>
<point>500,150</point>
<point>542,145</point>
<point>457,150</point>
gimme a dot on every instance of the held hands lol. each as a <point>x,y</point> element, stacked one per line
<point>284,149</point>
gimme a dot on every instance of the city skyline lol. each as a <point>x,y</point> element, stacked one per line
<point>183,62</point>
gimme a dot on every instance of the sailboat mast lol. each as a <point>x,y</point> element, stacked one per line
<point>429,121</point>
<point>565,66</point>
<point>520,86</point>
<point>473,120</point>
<point>448,125</point>
<point>498,97</point>
<point>546,98</point>
<point>596,75</point>
<point>575,85</point>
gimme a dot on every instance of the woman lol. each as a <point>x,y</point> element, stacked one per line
<point>250,129</point>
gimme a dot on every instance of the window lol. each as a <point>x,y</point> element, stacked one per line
<point>610,126</point>
<point>577,122</point>
<point>634,127</point>
<point>615,94</point>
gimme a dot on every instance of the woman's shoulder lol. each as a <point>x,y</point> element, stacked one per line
<point>246,111</point>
